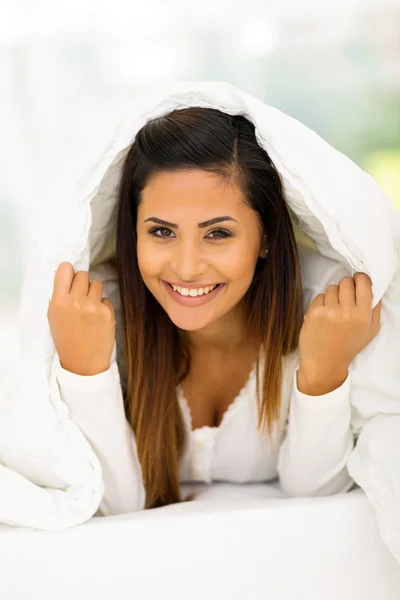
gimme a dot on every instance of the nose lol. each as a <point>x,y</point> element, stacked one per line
<point>187,261</point>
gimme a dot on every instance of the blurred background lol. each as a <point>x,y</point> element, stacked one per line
<point>66,67</point>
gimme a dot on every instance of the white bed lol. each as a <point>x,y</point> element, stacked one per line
<point>234,542</point>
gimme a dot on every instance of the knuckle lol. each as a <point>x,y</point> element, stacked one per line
<point>77,304</point>
<point>332,315</point>
<point>90,308</point>
<point>345,315</point>
<point>347,280</point>
<point>318,313</point>
<point>97,283</point>
<point>58,302</point>
<point>362,276</point>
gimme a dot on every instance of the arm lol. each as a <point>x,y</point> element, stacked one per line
<point>318,441</point>
<point>313,456</point>
<point>95,404</point>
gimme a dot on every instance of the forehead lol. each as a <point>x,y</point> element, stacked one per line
<point>190,190</point>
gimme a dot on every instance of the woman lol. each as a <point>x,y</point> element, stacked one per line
<point>217,351</point>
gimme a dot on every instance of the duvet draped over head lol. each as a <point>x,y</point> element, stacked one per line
<point>46,462</point>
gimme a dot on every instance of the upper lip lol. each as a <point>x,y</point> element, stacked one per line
<point>195,286</point>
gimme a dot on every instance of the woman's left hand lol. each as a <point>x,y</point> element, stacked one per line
<point>337,326</point>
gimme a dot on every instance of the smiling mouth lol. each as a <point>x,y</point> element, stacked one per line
<point>196,297</point>
<point>194,292</point>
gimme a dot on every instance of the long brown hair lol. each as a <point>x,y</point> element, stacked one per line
<point>155,356</point>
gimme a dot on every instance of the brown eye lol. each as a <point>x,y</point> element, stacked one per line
<point>155,230</point>
<point>220,234</point>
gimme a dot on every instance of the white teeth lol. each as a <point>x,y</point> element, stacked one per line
<point>193,292</point>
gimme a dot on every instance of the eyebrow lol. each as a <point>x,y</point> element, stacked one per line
<point>199,225</point>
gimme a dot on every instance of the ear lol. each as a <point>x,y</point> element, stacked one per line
<point>264,250</point>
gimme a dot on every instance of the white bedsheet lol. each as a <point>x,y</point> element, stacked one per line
<point>234,542</point>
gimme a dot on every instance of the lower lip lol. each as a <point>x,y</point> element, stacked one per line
<point>193,300</point>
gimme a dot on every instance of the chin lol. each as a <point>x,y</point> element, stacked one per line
<point>190,321</point>
<point>188,324</point>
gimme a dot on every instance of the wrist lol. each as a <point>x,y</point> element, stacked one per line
<point>88,371</point>
<point>315,382</point>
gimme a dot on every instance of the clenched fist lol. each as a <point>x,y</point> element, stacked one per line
<point>337,326</point>
<point>82,323</point>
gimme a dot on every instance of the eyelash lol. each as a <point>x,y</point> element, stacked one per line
<point>154,230</point>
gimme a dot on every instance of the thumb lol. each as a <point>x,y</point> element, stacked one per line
<point>110,305</point>
<point>376,316</point>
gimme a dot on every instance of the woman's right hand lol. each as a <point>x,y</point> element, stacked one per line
<point>82,323</point>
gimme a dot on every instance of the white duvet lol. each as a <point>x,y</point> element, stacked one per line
<point>49,476</point>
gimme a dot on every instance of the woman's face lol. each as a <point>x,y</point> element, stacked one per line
<point>176,246</point>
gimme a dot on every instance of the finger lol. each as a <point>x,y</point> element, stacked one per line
<point>331,295</point>
<point>317,301</point>
<point>347,291</point>
<point>363,286</point>
<point>96,290</point>
<point>80,284</point>
<point>63,280</point>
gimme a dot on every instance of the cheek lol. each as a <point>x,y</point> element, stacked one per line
<point>148,260</point>
<point>241,263</point>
